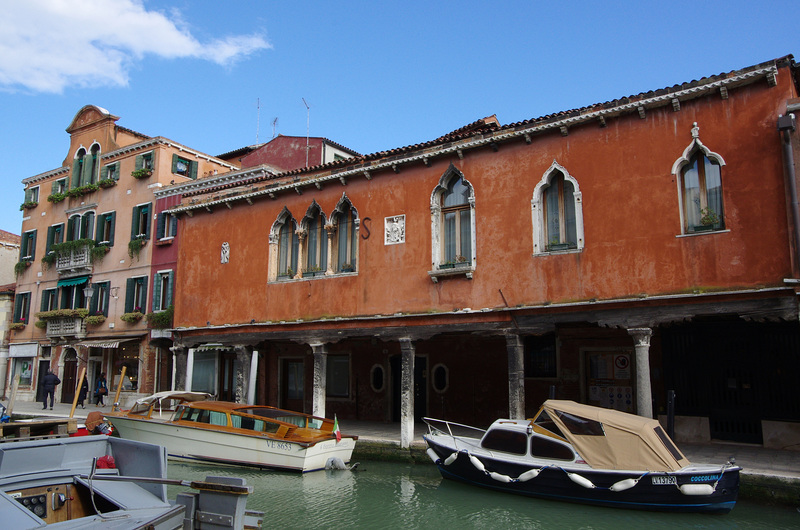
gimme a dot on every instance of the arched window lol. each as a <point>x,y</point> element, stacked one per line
<point>700,182</point>
<point>345,218</point>
<point>557,210</point>
<point>316,242</point>
<point>84,167</point>
<point>77,167</point>
<point>453,221</point>
<point>284,245</point>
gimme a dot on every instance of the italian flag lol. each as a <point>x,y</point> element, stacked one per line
<point>336,431</point>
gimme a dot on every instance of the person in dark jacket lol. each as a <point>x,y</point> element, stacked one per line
<point>100,390</point>
<point>82,394</point>
<point>49,382</point>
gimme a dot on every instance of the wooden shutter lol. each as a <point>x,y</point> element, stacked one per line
<point>129,290</point>
<point>170,283</point>
<point>139,162</point>
<point>156,291</point>
<point>93,301</point>
<point>160,225</point>
<point>174,163</point>
<point>112,226</point>
<point>192,174</point>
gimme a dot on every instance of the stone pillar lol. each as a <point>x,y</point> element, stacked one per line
<point>179,367</point>
<point>516,377</point>
<point>407,350</point>
<point>189,369</point>
<point>251,383</point>
<point>320,378</point>
<point>242,373</point>
<point>644,393</point>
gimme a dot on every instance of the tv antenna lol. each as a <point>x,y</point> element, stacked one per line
<point>258,116</point>
<point>274,126</point>
<point>308,126</point>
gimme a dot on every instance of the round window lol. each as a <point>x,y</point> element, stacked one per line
<point>377,378</point>
<point>441,377</point>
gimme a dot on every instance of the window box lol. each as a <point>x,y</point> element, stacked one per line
<point>554,247</point>
<point>56,197</point>
<point>459,270</point>
<point>703,228</point>
<point>132,317</point>
<point>28,205</point>
<point>142,173</point>
<point>107,183</point>
<point>17,326</point>
<point>95,320</point>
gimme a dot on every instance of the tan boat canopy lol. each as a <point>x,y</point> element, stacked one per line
<point>144,404</point>
<point>610,439</point>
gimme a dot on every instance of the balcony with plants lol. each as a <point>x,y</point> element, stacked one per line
<point>64,324</point>
<point>74,256</point>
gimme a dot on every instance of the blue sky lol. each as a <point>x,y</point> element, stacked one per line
<point>376,75</point>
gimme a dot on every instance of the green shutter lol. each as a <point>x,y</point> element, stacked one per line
<point>104,173</point>
<point>174,163</point>
<point>139,162</point>
<point>173,219</point>
<point>143,305</point>
<point>93,301</point>
<point>50,234</point>
<point>192,170</point>
<point>146,210</point>
<point>106,294</point>
<point>160,225</point>
<point>111,228</point>
<point>171,281</point>
<point>156,291</point>
<point>32,243</point>
<point>135,223</point>
<point>76,173</point>
<point>17,307</point>
<point>129,290</point>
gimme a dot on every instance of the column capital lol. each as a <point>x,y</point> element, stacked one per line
<point>641,335</point>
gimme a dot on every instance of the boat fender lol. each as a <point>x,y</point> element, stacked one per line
<point>477,463</point>
<point>528,475</point>
<point>583,481</point>
<point>696,489</point>
<point>450,459</point>
<point>623,485</point>
<point>433,456</point>
<point>500,478</point>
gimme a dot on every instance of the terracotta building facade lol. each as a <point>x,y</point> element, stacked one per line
<point>86,286</point>
<point>607,254</point>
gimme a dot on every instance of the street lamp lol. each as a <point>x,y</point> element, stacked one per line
<point>88,292</point>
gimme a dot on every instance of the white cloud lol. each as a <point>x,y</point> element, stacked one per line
<point>48,45</point>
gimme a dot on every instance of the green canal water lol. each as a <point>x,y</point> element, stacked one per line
<point>392,495</point>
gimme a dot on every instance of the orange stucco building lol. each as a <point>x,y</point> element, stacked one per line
<point>608,254</point>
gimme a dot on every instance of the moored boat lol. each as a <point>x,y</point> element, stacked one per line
<point>579,453</point>
<point>233,433</point>
<point>105,482</point>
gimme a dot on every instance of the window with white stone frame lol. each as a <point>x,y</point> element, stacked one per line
<point>557,212</point>
<point>452,225</point>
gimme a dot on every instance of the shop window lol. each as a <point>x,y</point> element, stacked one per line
<point>127,356</point>
<point>23,368</point>
<point>338,377</point>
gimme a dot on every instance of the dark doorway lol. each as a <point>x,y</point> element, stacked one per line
<point>70,379</point>
<point>44,366</point>
<point>292,384</point>
<point>420,386</point>
<point>227,379</point>
<point>164,370</point>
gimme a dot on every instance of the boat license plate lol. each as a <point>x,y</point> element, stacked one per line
<point>662,480</point>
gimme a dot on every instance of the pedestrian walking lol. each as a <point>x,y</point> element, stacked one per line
<point>100,391</point>
<point>49,382</point>
<point>83,392</point>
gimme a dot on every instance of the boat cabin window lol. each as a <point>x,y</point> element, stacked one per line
<point>253,424</point>
<point>544,421</point>
<point>204,416</point>
<point>506,441</point>
<point>581,426</point>
<point>546,448</point>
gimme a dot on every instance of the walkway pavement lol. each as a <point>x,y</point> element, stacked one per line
<point>754,459</point>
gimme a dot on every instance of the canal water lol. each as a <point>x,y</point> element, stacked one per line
<point>393,495</point>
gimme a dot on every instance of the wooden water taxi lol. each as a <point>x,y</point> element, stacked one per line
<point>221,432</point>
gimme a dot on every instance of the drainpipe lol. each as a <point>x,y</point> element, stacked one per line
<point>786,124</point>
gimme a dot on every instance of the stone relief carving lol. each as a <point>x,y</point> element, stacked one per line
<point>394,230</point>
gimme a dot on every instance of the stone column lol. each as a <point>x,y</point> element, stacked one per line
<point>251,383</point>
<point>407,350</point>
<point>179,367</point>
<point>242,372</point>
<point>189,369</point>
<point>320,380</point>
<point>644,393</point>
<point>516,377</point>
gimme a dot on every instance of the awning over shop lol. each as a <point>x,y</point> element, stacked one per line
<point>68,282</point>
<point>107,344</point>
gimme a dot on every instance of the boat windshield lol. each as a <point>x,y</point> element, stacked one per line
<point>544,421</point>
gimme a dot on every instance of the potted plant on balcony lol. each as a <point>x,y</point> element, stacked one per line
<point>135,246</point>
<point>28,205</point>
<point>21,266</point>
<point>160,319</point>
<point>17,326</point>
<point>96,319</point>
<point>56,197</point>
<point>99,252</point>
<point>107,183</point>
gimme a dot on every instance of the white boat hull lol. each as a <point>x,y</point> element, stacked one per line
<point>192,443</point>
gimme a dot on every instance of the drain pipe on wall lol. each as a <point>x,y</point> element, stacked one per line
<point>786,125</point>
